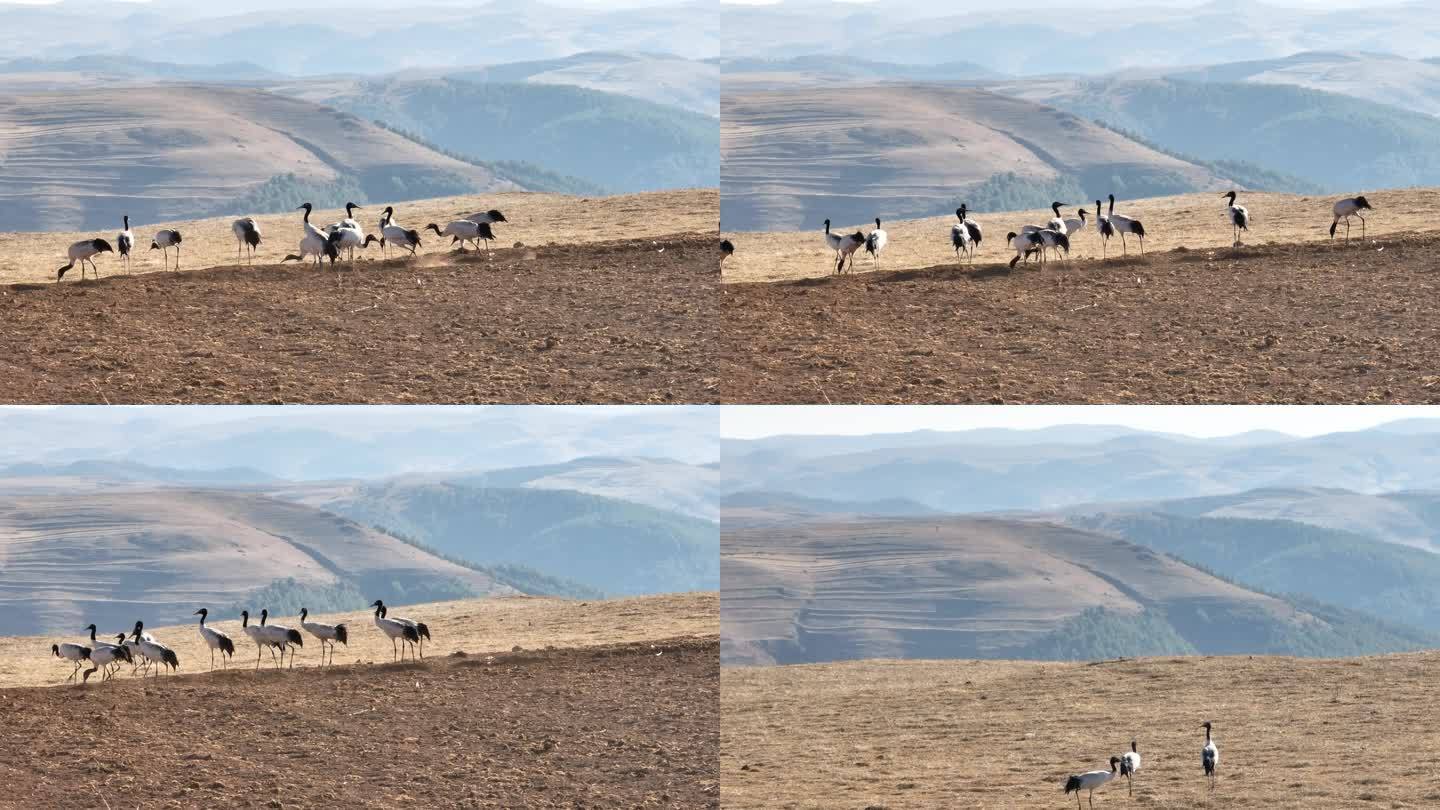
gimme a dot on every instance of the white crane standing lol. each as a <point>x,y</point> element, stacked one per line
<point>257,635</point>
<point>464,230</point>
<point>281,637</point>
<point>124,241</point>
<point>327,633</point>
<point>74,653</point>
<point>1024,244</point>
<point>1123,225</point>
<point>394,629</point>
<point>163,241</point>
<point>1239,216</point>
<point>215,640</point>
<point>247,236</point>
<point>1209,757</point>
<point>1105,229</point>
<point>395,235</point>
<point>1091,781</point>
<point>1347,208</point>
<point>1129,764</point>
<point>106,656</point>
<point>84,251</point>
<point>154,651</point>
<point>875,242</point>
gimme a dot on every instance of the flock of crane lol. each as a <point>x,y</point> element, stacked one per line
<point>1128,763</point>
<point>1055,235</point>
<point>317,243</point>
<point>146,654</point>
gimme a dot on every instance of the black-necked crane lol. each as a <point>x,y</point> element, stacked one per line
<point>1129,764</point>
<point>464,230</point>
<point>77,654</point>
<point>163,241</point>
<point>1209,757</point>
<point>106,656</point>
<point>125,241</point>
<point>84,251</point>
<point>727,249</point>
<point>215,640</point>
<point>395,629</point>
<point>1105,229</point>
<point>875,242</point>
<point>1123,225</point>
<point>422,630</point>
<point>154,651</point>
<point>1238,215</point>
<point>314,242</point>
<point>960,235</point>
<point>257,634</point>
<point>327,633</point>
<point>281,637</point>
<point>247,236</point>
<point>347,234</point>
<point>1024,244</point>
<point>395,235</point>
<point>1091,781</point>
<point>1347,208</point>
<point>1051,239</point>
<point>1057,222</point>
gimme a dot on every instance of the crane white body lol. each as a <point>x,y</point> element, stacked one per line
<point>1123,225</point>
<point>1105,229</point>
<point>125,242</point>
<point>486,217</point>
<point>163,241</point>
<point>1347,208</point>
<point>155,652</point>
<point>1210,757</point>
<point>1238,215</point>
<point>327,633</point>
<point>395,235</point>
<point>281,637</point>
<point>84,251</point>
<point>1129,764</point>
<point>465,230</point>
<point>77,654</point>
<point>1025,243</point>
<point>107,655</point>
<point>247,236</point>
<point>1091,781</point>
<point>875,242</point>
<point>214,639</point>
<point>394,629</point>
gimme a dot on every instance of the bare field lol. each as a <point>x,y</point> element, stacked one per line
<point>476,626</point>
<point>536,220</point>
<point>1296,323</point>
<point>1193,221</point>
<point>622,321</point>
<point>624,725</point>
<point>891,734</point>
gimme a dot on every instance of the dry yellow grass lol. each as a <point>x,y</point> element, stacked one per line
<point>1191,220</point>
<point>476,626</point>
<point>534,219</point>
<point>1292,732</point>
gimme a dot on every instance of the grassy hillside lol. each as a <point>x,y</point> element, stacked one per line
<point>986,588</point>
<point>615,546</point>
<point>83,158</point>
<point>795,157</point>
<point>669,80</point>
<point>1383,78</point>
<point>1341,568</point>
<point>1295,130</point>
<point>618,143</point>
<point>152,554</point>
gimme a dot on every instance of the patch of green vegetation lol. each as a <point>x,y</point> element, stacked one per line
<point>285,597</point>
<point>526,175</point>
<point>1247,174</point>
<point>1097,634</point>
<point>286,192</point>
<point>522,578</point>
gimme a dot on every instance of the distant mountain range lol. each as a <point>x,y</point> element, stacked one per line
<point>1127,543</point>
<point>358,36</point>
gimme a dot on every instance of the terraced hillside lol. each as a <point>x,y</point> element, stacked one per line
<point>792,158</point>
<point>82,158</point>
<point>151,555</point>
<point>970,588</point>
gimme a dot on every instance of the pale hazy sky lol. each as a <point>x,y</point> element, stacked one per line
<point>748,422</point>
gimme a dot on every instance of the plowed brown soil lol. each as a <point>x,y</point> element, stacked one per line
<point>625,321</point>
<point>623,726</point>
<point>1292,733</point>
<point>1302,323</point>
